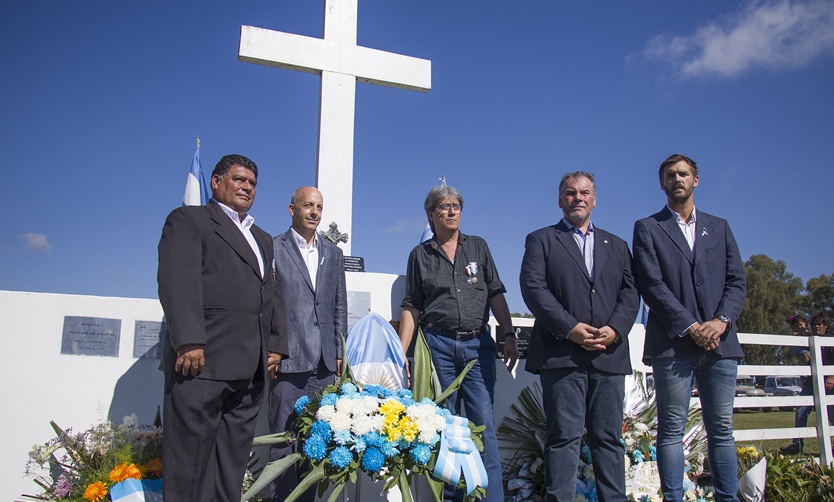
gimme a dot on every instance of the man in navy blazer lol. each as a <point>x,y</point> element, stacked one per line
<point>310,285</point>
<point>216,289</point>
<point>689,271</point>
<point>576,280</point>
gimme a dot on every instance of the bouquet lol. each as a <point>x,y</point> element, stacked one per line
<point>85,466</point>
<point>391,435</point>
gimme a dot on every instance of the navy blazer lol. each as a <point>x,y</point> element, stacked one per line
<point>682,286</point>
<point>314,318</point>
<point>559,292</point>
<point>212,292</point>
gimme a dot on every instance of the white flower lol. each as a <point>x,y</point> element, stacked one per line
<point>340,421</point>
<point>326,412</point>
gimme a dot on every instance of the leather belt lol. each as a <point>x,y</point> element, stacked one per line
<point>458,334</point>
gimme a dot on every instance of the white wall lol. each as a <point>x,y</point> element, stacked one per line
<point>75,391</point>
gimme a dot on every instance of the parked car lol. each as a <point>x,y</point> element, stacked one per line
<point>783,386</point>
<point>746,387</point>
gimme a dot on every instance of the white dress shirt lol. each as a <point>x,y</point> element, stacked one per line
<point>245,228</point>
<point>309,253</point>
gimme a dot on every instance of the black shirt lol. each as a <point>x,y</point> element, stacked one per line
<point>444,292</point>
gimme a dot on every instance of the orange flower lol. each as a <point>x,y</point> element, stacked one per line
<point>119,473</point>
<point>153,468</point>
<point>95,492</point>
<point>134,471</point>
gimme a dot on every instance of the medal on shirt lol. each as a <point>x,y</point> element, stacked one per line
<point>472,271</point>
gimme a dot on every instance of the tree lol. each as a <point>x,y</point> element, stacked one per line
<point>819,296</point>
<point>773,294</point>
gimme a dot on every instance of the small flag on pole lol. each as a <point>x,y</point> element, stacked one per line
<point>196,190</point>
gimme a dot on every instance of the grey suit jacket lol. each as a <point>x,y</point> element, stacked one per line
<point>212,292</point>
<point>683,286</point>
<point>315,318</point>
<point>557,289</point>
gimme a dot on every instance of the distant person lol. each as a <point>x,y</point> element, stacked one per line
<point>310,285</point>
<point>819,326</point>
<point>689,272</point>
<point>450,286</point>
<point>576,280</point>
<point>217,291</point>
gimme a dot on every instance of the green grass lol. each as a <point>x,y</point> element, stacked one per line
<point>748,419</point>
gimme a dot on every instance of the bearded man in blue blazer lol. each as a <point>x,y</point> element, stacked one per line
<point>310,288</point>
<point>689,271</point>
<point>576,280</point>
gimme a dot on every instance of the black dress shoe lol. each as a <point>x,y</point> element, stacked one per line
<point>791,449</point>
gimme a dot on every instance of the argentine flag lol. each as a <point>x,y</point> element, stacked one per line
<point>196,190</point>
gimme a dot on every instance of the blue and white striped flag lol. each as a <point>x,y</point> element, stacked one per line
<point>196,190</point>
<point>427,233</point>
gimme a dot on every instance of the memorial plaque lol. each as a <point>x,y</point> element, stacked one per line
<point>91,336</point>
<point>359,305</point>
<point>522,336</point>
<point>354,264</point>
<point>147,339</point>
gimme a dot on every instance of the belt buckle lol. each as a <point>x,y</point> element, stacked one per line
<point>463,336</point>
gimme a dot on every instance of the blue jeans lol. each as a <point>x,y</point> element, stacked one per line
<point>476,394</point>
<point>803,412</point>
<point>577,399</point>
<point>716,378</point>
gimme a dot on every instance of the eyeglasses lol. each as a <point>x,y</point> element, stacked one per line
<point>448,207</point>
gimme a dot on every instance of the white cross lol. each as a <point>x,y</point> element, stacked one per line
<point>341,63</point>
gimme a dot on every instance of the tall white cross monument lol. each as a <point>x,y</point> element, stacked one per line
<point>341,63</point>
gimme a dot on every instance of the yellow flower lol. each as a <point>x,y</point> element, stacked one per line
<point>119,473</point>
<point>391,408</point>
<point>409,429</point>
<point>153,468</point>
<point>95,492</point>
<point>134,471</point>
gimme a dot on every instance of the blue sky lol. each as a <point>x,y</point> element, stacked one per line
<point>102,102</point>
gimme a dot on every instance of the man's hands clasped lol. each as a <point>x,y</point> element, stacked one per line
<point>591,338</point>
<point>708,335</point>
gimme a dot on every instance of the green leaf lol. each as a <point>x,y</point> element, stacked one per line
<point>281,437</point>
<point>271,471</point>
<point>404,488</point>
<point>455,385</point>
<point>347,375</point>
<point>312,477</point>
<point>422,371</point>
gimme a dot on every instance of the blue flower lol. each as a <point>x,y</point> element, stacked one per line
<point>374,438</point>
<point>348,388</point>
<point>359,445</point>
<point>637,456</point>
<point>302,402</point>
<point>376,391</point>
<point>389,449</point>
<point>340,457</point>
<point>420,454</point>
<point>443,412</point>
<point>586,452</point>
<point>322,429</point>
<point>329,399</point>
<point>372,460</point>
<point>404,393</point>
<point>315,448</point>
<point>343,437</point>
<point>653,452</point>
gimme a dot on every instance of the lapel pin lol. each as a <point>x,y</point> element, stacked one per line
<point>704,232</point>
<point>605,241</point>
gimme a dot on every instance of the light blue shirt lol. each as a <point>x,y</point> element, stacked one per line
<point>585,243</point>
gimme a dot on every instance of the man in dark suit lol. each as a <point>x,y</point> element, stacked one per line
<point>310,284</point>
<point>576,280</point>
<point>690,274</point>
<point>217,290</point>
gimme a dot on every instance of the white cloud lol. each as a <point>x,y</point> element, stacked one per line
<point>38,242</point>
<point>772,35</point>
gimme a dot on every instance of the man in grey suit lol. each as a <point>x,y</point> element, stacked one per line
<point>310,284</point>
<point>576,280</point>
<point>689,271</point>
<point>216,289</point>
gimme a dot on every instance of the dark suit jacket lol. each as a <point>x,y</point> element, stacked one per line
<point>557,289</point>
<point>681,286</point>
<point>315,319</point>
<point>212,293</point>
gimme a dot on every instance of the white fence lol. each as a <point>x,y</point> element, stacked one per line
<point>818,372</point>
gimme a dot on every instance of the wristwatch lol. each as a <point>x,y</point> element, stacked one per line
<point>724,319</point>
